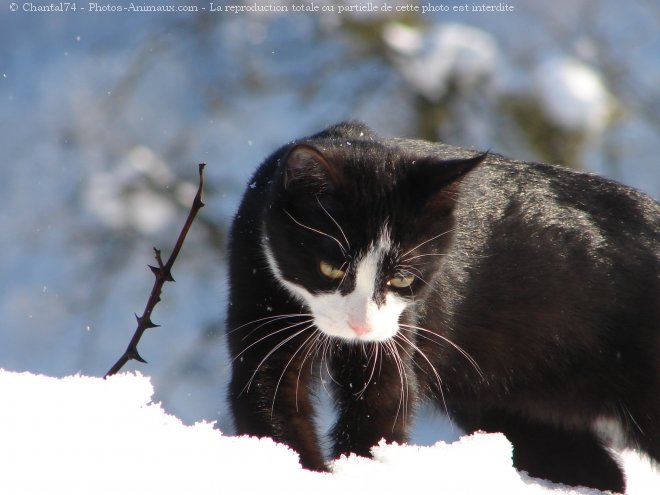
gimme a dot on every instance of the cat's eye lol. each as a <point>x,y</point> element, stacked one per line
<point>401,281</point>
<point>331,271</point>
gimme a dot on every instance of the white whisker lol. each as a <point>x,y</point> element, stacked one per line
<point>413,270</point>
<point>403,379</point>
<point>286,366</point>
<point>274,319</point>
<point>462,351</point>
<point>426,242</point>
<point>327,348</point>
<point>270,334</point>
<point>406,270</point>
<point>374,356</point>
<point>341,246</point>
<point>424,256</point>
<point>348,244</point>
<point>428,361</point>
<point>271,352</point>
<point>343,278</point>
<point>269,318</point>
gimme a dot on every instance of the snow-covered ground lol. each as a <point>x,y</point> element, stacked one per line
<point>82,435</point>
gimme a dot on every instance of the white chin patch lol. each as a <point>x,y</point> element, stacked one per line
<point>354,316</point>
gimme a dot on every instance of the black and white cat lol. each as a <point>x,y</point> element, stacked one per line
<point>522,298</point>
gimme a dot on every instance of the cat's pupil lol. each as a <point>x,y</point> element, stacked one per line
<point>331,271</point>
<point>401,281</point>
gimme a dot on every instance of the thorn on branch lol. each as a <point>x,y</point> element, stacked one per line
<point>162,274</point>
<point>145,321</point>
<point>161,270</point>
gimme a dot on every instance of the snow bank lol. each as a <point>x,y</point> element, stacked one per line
<point>89,435</point>
<point>431,59</point>
<point>573,94</point>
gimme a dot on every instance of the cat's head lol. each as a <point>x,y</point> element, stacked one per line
<point>356,230</point>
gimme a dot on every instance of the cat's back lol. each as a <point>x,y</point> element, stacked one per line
<point>542,197</point>
<point>555,239</point>
<point>548,196</point>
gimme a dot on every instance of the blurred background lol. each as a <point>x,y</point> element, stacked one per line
<point>104,117</point>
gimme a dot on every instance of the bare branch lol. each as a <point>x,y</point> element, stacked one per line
<point>163,273</point>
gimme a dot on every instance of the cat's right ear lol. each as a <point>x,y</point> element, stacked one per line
<point>305,167</point>
<point>437,180</point>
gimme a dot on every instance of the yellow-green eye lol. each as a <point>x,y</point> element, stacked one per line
<point>331,271</point>
<point>402,281</point>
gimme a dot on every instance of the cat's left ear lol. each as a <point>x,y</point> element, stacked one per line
<point>306,167</point>
<point>436,181</point>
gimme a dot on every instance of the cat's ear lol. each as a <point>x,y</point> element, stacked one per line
<point>306,167</point>
<point>436,181</point>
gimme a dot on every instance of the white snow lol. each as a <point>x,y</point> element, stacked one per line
<point>88,435</point>
<point>112,196</point>
<point>404,39</point>
<point>430,59</point>
<point>573,94</point>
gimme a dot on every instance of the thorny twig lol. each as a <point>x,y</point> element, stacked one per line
<point>163,274</point>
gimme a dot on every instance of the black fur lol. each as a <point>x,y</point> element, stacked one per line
<point>547,278</point>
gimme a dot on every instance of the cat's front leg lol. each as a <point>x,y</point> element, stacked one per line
<point>271,398</point>
<point>375,392</point>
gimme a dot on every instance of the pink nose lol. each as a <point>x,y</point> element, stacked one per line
<point>359,328</point>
